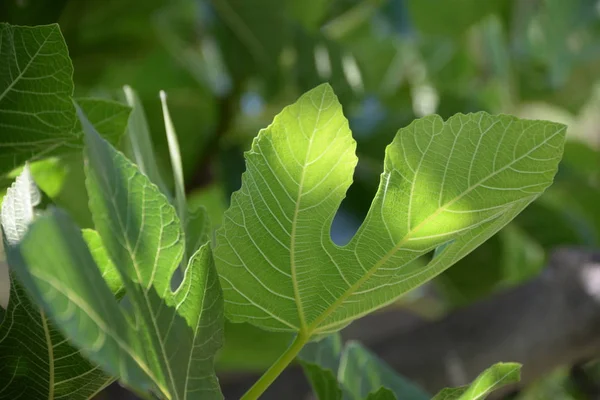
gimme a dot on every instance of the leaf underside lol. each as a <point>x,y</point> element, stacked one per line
<point>164,341</point>
<point>36,359</point>
<point>446,185</point>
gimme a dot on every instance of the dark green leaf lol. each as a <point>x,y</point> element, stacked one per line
<point>37,116</point>
<point>323,381</point>
<point>37,361</point>
<point>320,362</point>
<point>165,342</point>
<point>353,373</point>
<point>450,18</point>
<point>251,35</point>
<point>362,373</point>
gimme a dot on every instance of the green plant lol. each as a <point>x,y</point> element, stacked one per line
<point>140,296</point>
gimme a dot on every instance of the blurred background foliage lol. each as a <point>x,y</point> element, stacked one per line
<point>229,66</point>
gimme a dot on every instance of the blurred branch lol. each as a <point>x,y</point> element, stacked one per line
<point>585,383</point>
<point>227,107</point>
<point>551,321</point>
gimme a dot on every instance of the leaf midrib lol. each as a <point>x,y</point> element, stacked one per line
<point>50,355</point>
<point>295,219</point>
<point>350,291</point>
<point>99,321</point>
<point>146,302</point>
<point>491,387</point>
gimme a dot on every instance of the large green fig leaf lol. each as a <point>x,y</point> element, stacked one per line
<point>446,185</point>
<point>159,341</point>
<point>37,360</point>
<point>37,116</point>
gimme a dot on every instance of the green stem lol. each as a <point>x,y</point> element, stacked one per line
<point>276,369</point>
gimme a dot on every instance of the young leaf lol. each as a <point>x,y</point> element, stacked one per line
<point>37,361</point>
<point>175,154</point>
<point>166,341</point>
<point>141,141</point>
<point>320,362</point>
<point>449,184</point>
<point>496,376</point>
<point>362,373</point>
<point>384,394</point>
<point>196,222</point>
<point>37,116</point>
<point>353,373</point>
<point>109,118</point>
<point>323,381</point>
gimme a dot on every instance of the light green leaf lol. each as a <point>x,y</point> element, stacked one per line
<point>37,361</point>
<point>176,166</point>
<point>37,116</point>
<point>496,376</point>
<point>447,183</point>
<point>140,140</point>
<point>165,341</point>
<point>196,221</point>
<point>51,174</point>
<point>382,394</point>
<point>109,272</point>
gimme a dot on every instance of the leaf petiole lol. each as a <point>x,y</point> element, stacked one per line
<point>277,368</point>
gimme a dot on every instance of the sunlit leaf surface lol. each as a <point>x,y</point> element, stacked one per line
<point>496,376</point>
<point>446,185</point>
